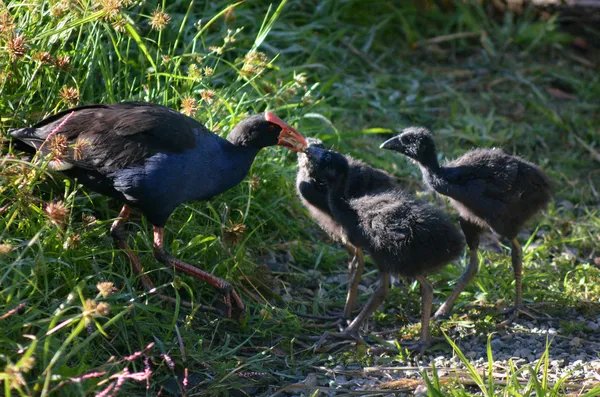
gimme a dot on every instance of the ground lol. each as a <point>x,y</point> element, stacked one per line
<point>351,73</point>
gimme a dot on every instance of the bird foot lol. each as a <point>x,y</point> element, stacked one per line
<point>443,313</point>
<point>237,307</point>
<point>347,335</point>
<point>417,347</point>
<point>514,314</point>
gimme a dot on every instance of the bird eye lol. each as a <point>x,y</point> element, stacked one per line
<point>404,140</point>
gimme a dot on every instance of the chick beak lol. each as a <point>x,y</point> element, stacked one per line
<point>288,137</point>
<point>392,144</point>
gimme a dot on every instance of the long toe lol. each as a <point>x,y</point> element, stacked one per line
<point>344,336</point>
<point>516,310</point>
<point>417,347</point>
<point>441,314</point>
<point>234,307</point>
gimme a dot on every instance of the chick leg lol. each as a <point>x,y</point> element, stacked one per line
<point>472,233</point>
<point>351,333</point>
<point>356,268</point>
<point>426,301</point>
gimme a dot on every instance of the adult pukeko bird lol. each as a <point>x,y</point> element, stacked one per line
<point>403,236</point>
<point>153,158</point>
<point>312,190</point>
<point>488,188</point>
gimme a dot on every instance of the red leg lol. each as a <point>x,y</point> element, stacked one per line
<point>118,233</point>
<point>223,286</point>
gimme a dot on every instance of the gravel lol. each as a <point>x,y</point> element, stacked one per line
<point>573,355</point>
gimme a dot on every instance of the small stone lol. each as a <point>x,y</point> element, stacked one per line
<point>593,326</point>
<point>575,342</point>
<point>421,391</point>
<point>524,352</point>
<point>471,354</point>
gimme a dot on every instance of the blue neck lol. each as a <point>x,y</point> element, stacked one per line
<point>237,163</point>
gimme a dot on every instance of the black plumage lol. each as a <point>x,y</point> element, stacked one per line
<point>312,190</point>
<point>153,158</point>
<point>488,188</point>
<point>403,235</point>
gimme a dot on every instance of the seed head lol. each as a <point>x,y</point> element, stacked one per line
<point>63,62</point>
<point>88,220</point>
<point>208,71</point>
<point>165,59</point>
<point>79,149</point>
<point>17,46</point>
<point>58,146</point>
<point>14,377</point>
<point>72,241</point>
<point>208,96</point>
<point>5,249</point>
<point>59,9</point>
<point>106,288</point>
<point>254,63</point>
<point>234,233</point>
<point>70,95</point>
<point>112,8</point>
<point>307,99</point>
<point>119,23</point>
<point>5,77</point>
<point>103,309</point>
<point>255,182</point>
<point>159,19</point>
<point>229,15</point>
<point>6,23</point>
<point>216,50</point>
<point>89,309</point>
<point>27,364</point>
<point>57,213</point>
<point>43,57</point>
<point>194,72</point>
<point>300,79</point>
<point>230,38</point>
<point>189,106</point>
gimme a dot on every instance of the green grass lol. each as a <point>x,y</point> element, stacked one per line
<point>343,71</point>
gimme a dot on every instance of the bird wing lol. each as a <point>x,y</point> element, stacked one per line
<point>485,183</point>
<point>109,137</point>
<point>384,223</point>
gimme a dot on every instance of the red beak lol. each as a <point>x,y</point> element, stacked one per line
<point>288,137</point>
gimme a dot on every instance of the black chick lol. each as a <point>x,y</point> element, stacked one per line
<point>488,188</point>
<point>403,236</point>
<point>312,190</point>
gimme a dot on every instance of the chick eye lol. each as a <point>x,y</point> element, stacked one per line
<point>272,127</point>
<point>404,140</point>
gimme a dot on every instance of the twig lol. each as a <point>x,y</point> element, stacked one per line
<point>362,56</point>
<point>12,311</point>
<point>4,208</point>
<point>457,371</point>
<point>449,37</point>
<point>593,152</point>
<point>316,316</point>
<point>371,392</point>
